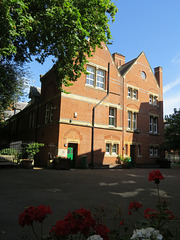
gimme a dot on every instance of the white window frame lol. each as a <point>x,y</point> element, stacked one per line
<point>150,99</point>
<point>90,78</point>
<point>100,79</point>
<point>153,124</point>
<point>129,119</point>
<point>112,116</point>
<point>135,94</point>
<point>96,77</point>
<point>112,149</point>
<point>155,120</point>
<point>132,93</point>
<point>155,100</point>
<point>134,121</point>
<point>129,92</point>
<point>151,151</point>
<point>156,151</point>
<point>108,148</point>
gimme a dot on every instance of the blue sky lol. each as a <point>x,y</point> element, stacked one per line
<point>152,26</point>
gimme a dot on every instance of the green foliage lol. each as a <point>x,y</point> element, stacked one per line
<point>123,160</point>
<point>67,30</point>
<point>32,149</point>
<point>172,131</point>
<point>9,151</point>
<point>12,83</point>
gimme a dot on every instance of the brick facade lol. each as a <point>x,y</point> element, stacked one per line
<point>96,121</point>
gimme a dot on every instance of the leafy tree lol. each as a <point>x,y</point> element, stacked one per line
<point>172,131</point>
<point>67,30</point>
<point>12,83</point>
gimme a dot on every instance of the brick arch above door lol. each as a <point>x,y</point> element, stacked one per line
<point>73,135</point>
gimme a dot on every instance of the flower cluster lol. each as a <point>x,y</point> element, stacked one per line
<point>134,206</point>
<point>81,224</point>
<point>79,221</point>
<point>151,214</point>
<point>155,176</point>
<point>32,214</point>
<point>146,233</point>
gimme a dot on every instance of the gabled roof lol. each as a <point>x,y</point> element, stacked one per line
<point>124,68</point>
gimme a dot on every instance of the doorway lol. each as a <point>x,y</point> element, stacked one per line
<point>72,154</point>
<point>132,155</point>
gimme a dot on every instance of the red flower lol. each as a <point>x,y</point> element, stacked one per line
<point>33,214</point>
<point>103,231</point>
<point>62,228</point>
<point>171,216</point>
<point>74,222</point>
<point>155,176</point>
<point>150,213</point>
<point>121,223</point>
<point>134,206</point>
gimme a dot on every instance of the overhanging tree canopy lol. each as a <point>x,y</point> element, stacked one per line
<point>67,30</point>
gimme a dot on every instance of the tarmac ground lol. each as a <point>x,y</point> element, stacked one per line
<point>68,190</point>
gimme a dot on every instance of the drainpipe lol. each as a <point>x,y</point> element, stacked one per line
<point>123,118</point>
<point>93,117</point>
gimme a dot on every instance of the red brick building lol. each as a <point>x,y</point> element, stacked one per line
<point>116,109</point>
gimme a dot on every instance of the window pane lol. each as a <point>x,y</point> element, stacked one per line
<point>151,151</point>
<point>134,120</point>
<point>100,78</point>
<point>135,94</point>
<point>47,114</point>
<point>112,116</point>
<point>91,76</point>
<point>51,113</point>
<point>155,125</point>
<point>155,100</point>
<point>151,124</point>
<point>156,151</point>
<point>114,149</point>
<point>129,120</point>
<point>107,148</point>
<point>129,92</point>
<point>150,99</point>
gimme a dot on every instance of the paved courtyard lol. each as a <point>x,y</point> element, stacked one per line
<point>65,190</point>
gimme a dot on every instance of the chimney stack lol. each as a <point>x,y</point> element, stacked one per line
<point>119,59</point>
<point>158,75</point>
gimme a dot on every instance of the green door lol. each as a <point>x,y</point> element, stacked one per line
<point>70,156</point>
<point>70,153</point>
